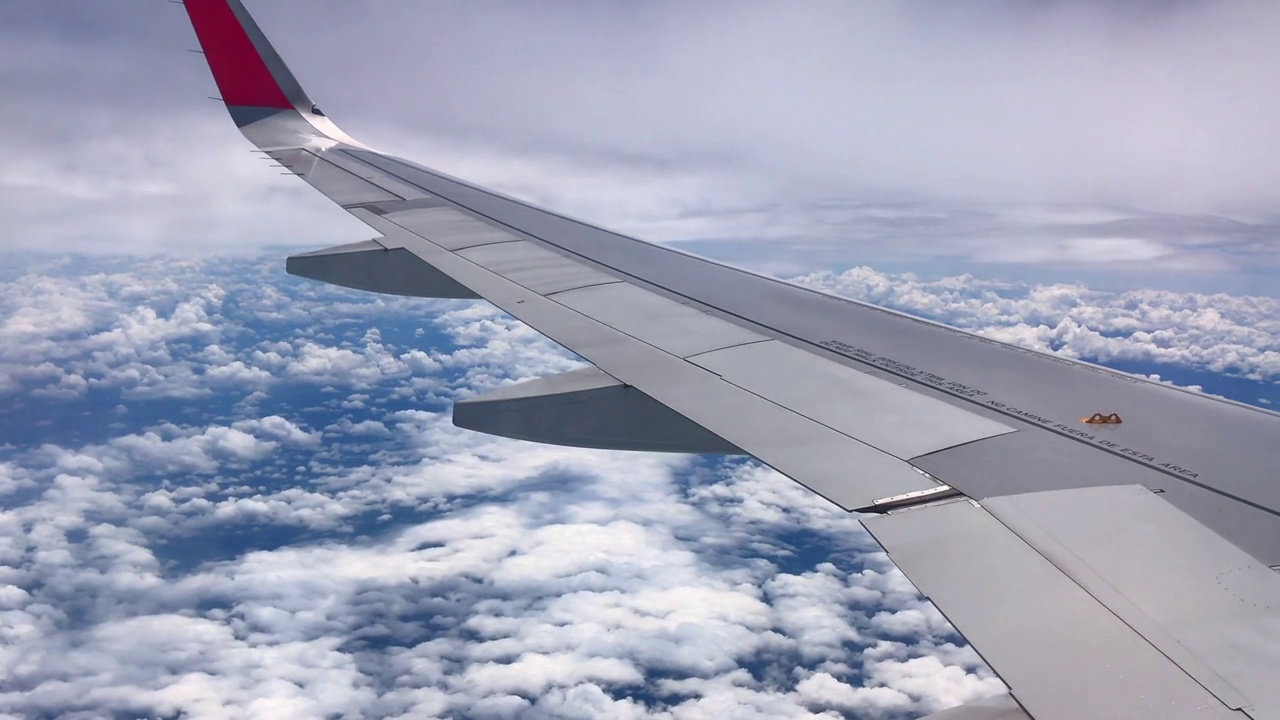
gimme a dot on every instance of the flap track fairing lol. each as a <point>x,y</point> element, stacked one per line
<point>590,409</point>
<point>370,266</point>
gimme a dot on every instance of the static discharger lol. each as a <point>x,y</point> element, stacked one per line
<point>1100,419</point>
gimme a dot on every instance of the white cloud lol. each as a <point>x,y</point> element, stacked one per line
<point>13,478</point>
<point>355,553</point>
<point>157,332</point>
<point>927,678</point>
<point>171,449</point>
<point>438,571</point>
<point>88,331</point>
<point>530,605</point>
<point>364,428</point>
<point>823,690</point>
<point>533,674</point>
<point>236,373</point>
<point>1220,333</point>
<point>1084,250</point>
<point>278,428</point>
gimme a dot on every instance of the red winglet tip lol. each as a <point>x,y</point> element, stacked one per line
<point>242,75</point>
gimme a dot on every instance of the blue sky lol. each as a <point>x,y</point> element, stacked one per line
<point>226,492</point>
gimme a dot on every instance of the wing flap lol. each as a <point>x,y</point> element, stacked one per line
<point>1203,602</point>
<point>1063,654</point>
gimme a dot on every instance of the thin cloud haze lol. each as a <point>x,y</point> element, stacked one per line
<point>1163,105</point>
<point>680,121</point>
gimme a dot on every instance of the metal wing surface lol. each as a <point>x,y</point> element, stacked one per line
<point>1103,569</point>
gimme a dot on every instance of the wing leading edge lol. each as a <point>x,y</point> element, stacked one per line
<point>1056,565</point>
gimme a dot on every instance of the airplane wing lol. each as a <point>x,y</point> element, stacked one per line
<point>1106,543</point>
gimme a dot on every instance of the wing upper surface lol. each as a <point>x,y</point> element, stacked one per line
<point>1214,459</point>
<point>863,406</point>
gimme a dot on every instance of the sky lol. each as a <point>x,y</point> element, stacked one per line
<point>1116,144</point>
<point>227,492</point>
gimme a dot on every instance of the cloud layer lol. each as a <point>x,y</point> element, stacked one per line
<point>260,507</point>
<point>1221,333</point>
<point>230,493</point>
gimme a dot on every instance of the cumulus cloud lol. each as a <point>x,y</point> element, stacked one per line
<point>536,599</point>
<point>89,330</point>
<point>1219,332</point>
<point>823,690</point>
<point>173,449</point>
<point>268,486</point>
<point>149,333</point>
<point>227,493</point>
<point>354,553</point>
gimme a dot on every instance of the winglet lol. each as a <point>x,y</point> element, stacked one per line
<point>254,81</point>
